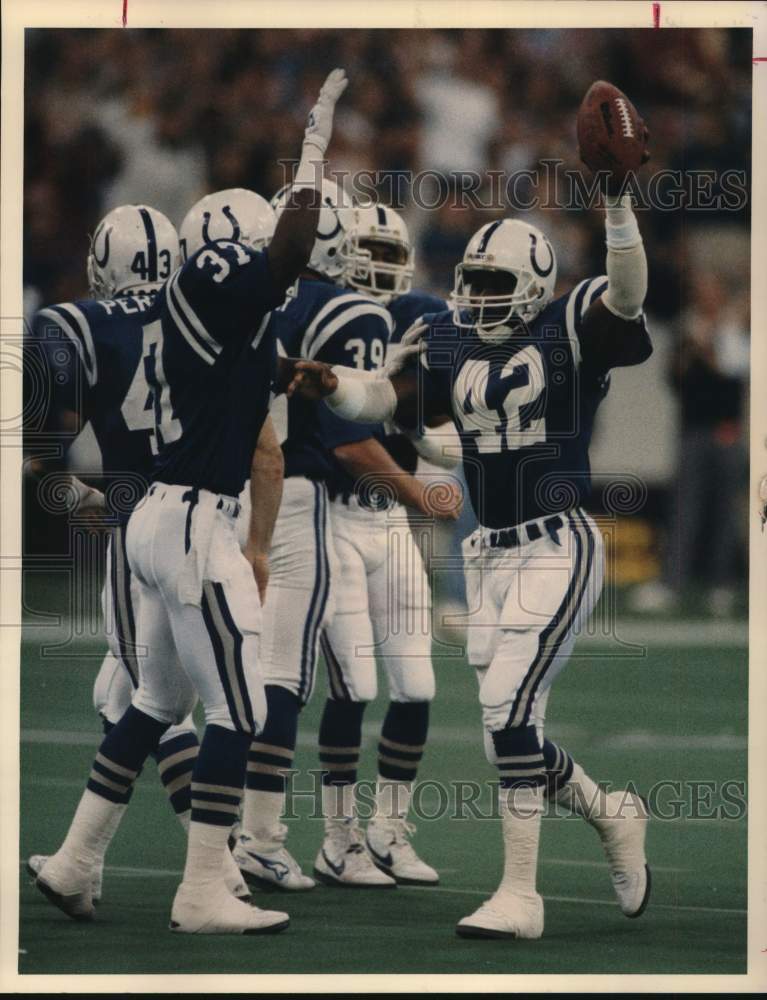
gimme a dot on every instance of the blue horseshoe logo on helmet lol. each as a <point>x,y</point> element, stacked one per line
<point>542,272</point>
<point>227,212</point>
<point>101,261</point>
<point>339,227</point>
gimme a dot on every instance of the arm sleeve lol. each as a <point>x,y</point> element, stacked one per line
<point>356,338</point>
<point>222,295</point>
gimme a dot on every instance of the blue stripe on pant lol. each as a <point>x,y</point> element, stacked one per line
<point>556,631</point>
<point>319,598</point>
<point>226,640</point>
<point>123,618</point>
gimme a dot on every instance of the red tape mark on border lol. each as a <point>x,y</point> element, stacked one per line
<point>125,13</point>
<point>759,59</point>
<point>656,15</point>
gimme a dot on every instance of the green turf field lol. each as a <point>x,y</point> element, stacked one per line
<point>678,714</point>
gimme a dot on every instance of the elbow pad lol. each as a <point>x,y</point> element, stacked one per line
<point>364,400</point>
<point>626,260</point>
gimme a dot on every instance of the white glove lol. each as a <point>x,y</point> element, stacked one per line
<point>89,499</point>
<point>400,355</point>
<point>320,125</point>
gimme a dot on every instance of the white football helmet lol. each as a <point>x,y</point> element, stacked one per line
<point>384,254</point>
<point>333,252</point>
<point>511,247</point>
<point>235,214</point>
<point>134,248</point>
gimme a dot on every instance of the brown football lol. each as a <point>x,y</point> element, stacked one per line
<point>611,134</point>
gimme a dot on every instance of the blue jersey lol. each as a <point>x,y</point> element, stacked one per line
<point>211,363</point>
<point>94,353</point>
<point>404,311</point>
<point>323,322</point>
<point>407,308</point>
<point>524,409</point>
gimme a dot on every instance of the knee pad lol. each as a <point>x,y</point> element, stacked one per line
<point>112,690</point>
<point>414,682</point>
<point>183,728</point>
<point>174,711</point>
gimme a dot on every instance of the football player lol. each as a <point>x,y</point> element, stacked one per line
<point>96,375</point>
<point>320,318</point>
<point>383,270</point>
<point>210,367</point>
<point>522,374</point>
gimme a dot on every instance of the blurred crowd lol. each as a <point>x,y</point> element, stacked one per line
<point>165,116</point>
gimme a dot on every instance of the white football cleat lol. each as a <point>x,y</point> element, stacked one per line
<point>68,886</point>
<point>623,839</point>
<point>505,916</point>
<point>269,863</point>
<point>343,860</point>
<point>35,863</point>
<point>391,851</point>
<point>211,909</point>
<point>233,879</point>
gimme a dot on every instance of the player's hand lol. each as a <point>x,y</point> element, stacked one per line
<point>311,379</point>
<point>442,499</point>
<point>259,563</point>
<point>91,507</point>
<point>319,127</point>
<point>402,354</point>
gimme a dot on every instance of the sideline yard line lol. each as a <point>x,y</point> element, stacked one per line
<point>652,632</point>
<point>635,740</point>
<point>127,871</point>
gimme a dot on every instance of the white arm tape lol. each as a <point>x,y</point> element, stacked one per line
<point>368,401</point>
<point>310,167</point>
<point>439,445</point>
<point>626,260</point>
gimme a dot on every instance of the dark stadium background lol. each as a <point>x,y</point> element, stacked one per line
<point>163,117</point>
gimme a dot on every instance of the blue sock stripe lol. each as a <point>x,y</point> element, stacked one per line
<point>405,756</point>
<point>533,781</point>
<point>211,817</point>
<point>98,788</point>
<point>231,800</point>
<point>111,775</point>
<point>258,781</point>
<point>267,758</point>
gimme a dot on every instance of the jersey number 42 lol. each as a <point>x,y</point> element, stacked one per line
<point>498,403</point>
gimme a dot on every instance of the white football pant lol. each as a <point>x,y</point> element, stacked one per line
<point>526,606</point>
<point>382,607</point>
<point>199,614</point>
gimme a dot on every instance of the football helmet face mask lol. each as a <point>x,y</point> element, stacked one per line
<point>333,253</point>
<point>383,264</point>
<point>507,276</point>
<point>234,214</point>
<point>134,248</point>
